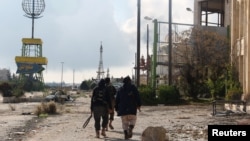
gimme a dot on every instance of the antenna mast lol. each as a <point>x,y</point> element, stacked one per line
<point>100,72</point>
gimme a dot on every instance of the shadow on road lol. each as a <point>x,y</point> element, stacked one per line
<point>119,139</point>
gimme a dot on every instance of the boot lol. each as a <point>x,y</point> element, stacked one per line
<point>126,135</point>
<point>130,131</point>
<point>97,134</point>
<point>103,132</point>
<point>106,128</point>
<point>110,125</point>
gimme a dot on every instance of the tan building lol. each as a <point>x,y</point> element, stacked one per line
<point>232,15</point>
<point>214,13</point>
<point>239,42</point>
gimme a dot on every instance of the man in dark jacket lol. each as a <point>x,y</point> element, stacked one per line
<point>100,107</point>
<point>127,102</point>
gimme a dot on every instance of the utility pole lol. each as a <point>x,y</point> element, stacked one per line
<point>138,43</point>
<point>170,44</point>
<point>62,75</point>
<point>73,87</point>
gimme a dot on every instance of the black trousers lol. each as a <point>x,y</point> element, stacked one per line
<point>101,117</point>
<point>112,114</point>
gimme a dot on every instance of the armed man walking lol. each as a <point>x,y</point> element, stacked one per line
<point>127,102</point>
<point>100,107</point>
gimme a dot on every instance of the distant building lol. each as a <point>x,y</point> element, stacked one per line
<point>4,74</point>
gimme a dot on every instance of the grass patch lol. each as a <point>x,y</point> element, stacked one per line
<point>43,115</point>
<point>46,108</point>
<point>12,107</point>
<point>67,110</point>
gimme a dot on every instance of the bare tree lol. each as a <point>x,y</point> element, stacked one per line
<point>202,57</point>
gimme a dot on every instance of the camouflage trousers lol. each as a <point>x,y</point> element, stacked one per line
<point>128,120</point>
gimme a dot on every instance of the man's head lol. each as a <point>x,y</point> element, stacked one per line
<point>127,80</point>
<point>101,83</point>
<point>107,80</point>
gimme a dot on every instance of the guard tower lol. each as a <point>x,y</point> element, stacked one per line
<point>30,63</point>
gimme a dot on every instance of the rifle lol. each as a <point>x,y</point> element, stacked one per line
<point>87,121</point>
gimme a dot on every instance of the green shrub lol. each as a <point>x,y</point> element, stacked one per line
<point>216,87</point>
<point>51,107</point>
<point>39,110</point>
<point>147,95</point>
<point>18,92</point>
<point>9,90</point>
<point>6,89</point>
<point>168,95</point>
<point>234,94</point>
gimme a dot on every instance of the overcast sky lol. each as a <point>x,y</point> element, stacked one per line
<point>72,32</point>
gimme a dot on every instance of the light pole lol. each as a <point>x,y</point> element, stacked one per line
<point>62,75</point>
<point>147,54</point>
<point>189,9</point>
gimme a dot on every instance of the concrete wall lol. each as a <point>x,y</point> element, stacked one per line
<point>240,53</point>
